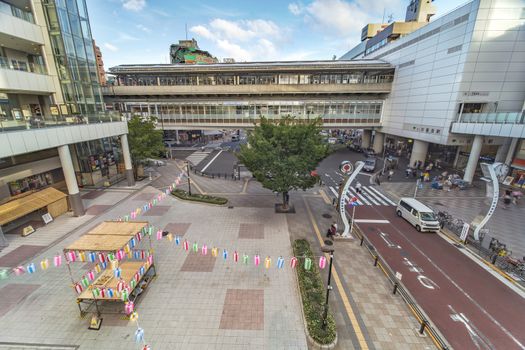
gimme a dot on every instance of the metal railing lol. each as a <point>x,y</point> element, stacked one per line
<point>494,118</point>
<point>48,121</point>
<point>23,66</point>
<point>425,324</point>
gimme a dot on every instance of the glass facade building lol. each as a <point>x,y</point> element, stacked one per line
<point>72,45</point>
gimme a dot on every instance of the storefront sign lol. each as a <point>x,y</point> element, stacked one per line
<point>3,98</point>
<point>26,113</point>
<point>54,109</point>
<point>476,93</point>
<point>28,230</point>
<point>508,180</point>
<point>464,232</point>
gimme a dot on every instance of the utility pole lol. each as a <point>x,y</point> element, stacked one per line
<point>330,250</point>
<point>189,179</point>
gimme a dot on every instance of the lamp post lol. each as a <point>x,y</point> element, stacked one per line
<point>189,180</point>
<point>328,249</point>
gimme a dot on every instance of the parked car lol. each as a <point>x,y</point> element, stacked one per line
<point>370,165</point>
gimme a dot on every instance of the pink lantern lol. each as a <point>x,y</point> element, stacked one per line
<point>71,256</point>
<point>91,276</point>
<point>139,236</point>
<point>129,307</point>
<point>256,260</point>
<point>204,249</point>
<point>322,262</point>
<point>159,235</point>
<point>293,262</point>
<point>78,288</point>
<point>101,258</point>
<point>102,292</point>
<point>137,276</point>
<point>57,260</point>
<point>121,285</point>
<point>186,245</point>
<point>19,270</point>
<point>150,259</point>
<point>235,256</point>
<point>120,254</point>
<point>142,255</point>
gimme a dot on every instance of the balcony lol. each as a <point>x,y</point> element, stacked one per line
<point>20,81</point>
<point>14,29</point>
<point>503,124</point>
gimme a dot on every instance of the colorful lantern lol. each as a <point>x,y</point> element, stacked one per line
<point>103,265</point>
<point>245,259</point>
<point>204,249</point>
<point>139,335</point>
<point>117,272</point>
<point>150,259</point>
<point>143,254</point>
<point>129,307</point>
<point>195,247</point>
<point>146,347</point>
<point>139,236</point>
<point>97,268</point>
<point>44,264</point>
<point>57,260</point>
<point>150,230</point>
<point>110,293</point>
<point>224,254</point>
<point>256,260</point>
<point>126,218</point>
<point>120,254</point>
<point>322,262</point>
<point>235,256</point>
<point>113,264</point>
<point>159,235</point>
<point>96,292</point>
<point>137,276</point>
<point>268,262</point>
<point>177,240</point>
<point>214,252</point>
<point>132,242</point>
<point>132,284</point>
<point>170,237</point>
<point>134,316</point>
<point>92,257</point>
<point>4,273</point>
<point>71,256</point>
<point>142,270</point>
<point>82,256</point>
<point>102,292</point>
<point>293,262</point>
<point>124,295</point>
<point>186,245</point>
<point>280,262</point>
<point>101,258</point>
<point>307,263</point>
<point>121,285</point>
<point>31,268</point>
<point>91,275</point>
<point>78,288</point>
<point>19,270</point>
<point>85,281</point>
<point>111,257</point>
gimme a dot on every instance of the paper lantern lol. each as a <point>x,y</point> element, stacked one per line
<point>139,335</point>
<point>120,254</point>
<point>121,285</point>
<point>224,254</point>
<point>195,247</point>
<point>307,263</point>
<point>113,264</point>
<point>110,293</point>
<point>31,268</point>
<point>96,292</point>
<point>143,254</point>
<point>82,256</point>
<point>129,307</point>
<point>92,257</point>
<point>126,218</point>
<point>139,236</point>
<point>117,272</point>
<point>170,237</point>
<point>44,264</point>
<point>102,292</point>
<point>142,270</point>
<point>214,252</point>
<point>71,256</point>
<point>103,265</point>
<point>134,316</point>
<point>268,262</point>
<point>19,270</point>
<point>97,268</point>
<point>111,257</point>
<point>4,273</point>
<point>159,235</point>
<point>204,249</point>
<point>132,242</point>
<point>124,295</point>
<point>150,259</point>
<point>186,245</point>
<point>78,288</point>
<point>136,255</point>
<point>137,276</point>
<point>85,281</point>
<point>101,258</point>
<point>91,276</point>
<point>235,256</point>
<point>57,260</point>
<point>256,260</point>
<point>280,262</point>
<point>293,262</point>
<point>322,262</point>
<point>132,284</point>
<point>177,240</point>
<point>245,259</point>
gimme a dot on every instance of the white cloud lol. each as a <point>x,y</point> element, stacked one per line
<point>202,31</point>
<point>295,8</point>
<point>143,28</point>
<point>233,50</point>
<point>126,37</point>
<point>134,5</point>
<point>110,47</point>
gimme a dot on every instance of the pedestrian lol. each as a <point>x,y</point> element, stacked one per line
<point>408,172</point>
<point>358,187</point>
<point>507,199</point>
<point>447,185</point>
<point>426,176</point>
<point>330,233</point>
<point>390,174</point>
<point>378,182</point>
<point>516,195</point>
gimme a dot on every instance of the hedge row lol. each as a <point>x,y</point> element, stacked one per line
<point>198,197</point>
<point>313,294</point>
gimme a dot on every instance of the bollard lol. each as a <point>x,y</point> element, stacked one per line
<point>422,328</point>
<point>375,260</point>
<point>395,288</point>
<point>362,239</point>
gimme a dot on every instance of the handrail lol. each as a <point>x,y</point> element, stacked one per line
<point>423,320</point>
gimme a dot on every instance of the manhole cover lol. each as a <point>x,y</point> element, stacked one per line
<point>327,216</point>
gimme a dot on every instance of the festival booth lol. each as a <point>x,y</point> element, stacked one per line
<point>120,271</point>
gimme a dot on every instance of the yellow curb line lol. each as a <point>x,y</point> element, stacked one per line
<point>193,182</point>
<point>245,186</point>
<point>344,297</point>
<point>325,197</point>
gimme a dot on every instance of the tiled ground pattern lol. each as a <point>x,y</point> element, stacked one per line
<point>251,231</point>
<point>97,209</point>
<point>13,293</point>
<point>19,255</point>
<point>158,210</point>
<point>177,228</point>
<point>243,309</point>
<point>196,262</point>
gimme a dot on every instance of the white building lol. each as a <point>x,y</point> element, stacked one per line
<point>53,128</point>
<point>459,85</point>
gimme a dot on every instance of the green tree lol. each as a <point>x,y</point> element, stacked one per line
<point>144,140</point>
<point>282,155</point>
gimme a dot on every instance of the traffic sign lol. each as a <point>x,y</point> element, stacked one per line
<point>346,167</point>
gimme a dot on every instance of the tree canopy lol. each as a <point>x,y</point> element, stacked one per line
<point>144,140</point>
<point>282,155</point>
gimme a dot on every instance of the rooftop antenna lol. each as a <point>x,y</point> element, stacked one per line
<point>390,18</point>
<point>384,10</point>
<point>186,27</point>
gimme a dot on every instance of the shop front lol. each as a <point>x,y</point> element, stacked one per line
<point>516,177</point>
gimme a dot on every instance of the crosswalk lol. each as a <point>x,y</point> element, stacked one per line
<point>196,157</point>
<point>369,196</point>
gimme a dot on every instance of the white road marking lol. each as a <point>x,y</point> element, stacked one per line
<point>211,161</point>
<point>383,196</point>
<point>334,191</point>
<point>373,195</point>
<point>366,200</point>
<point>371,221</point>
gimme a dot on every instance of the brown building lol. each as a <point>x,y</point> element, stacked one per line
<point>100,65</point>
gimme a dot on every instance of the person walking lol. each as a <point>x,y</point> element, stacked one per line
<point>390,174</point>
<point>358,188</point>
<point>507,199</point>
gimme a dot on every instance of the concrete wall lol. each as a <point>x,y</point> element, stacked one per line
<point>18,28</point>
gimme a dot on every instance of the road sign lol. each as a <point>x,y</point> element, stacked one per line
<point>464,232</point>
<point>346,167</point>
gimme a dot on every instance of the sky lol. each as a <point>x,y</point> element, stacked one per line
<point>141,31</point>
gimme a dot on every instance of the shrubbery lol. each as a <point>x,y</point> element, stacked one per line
<point>198,197</point>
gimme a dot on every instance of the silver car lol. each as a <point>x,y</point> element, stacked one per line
<point>370,165</point>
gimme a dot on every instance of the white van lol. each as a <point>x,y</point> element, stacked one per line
<point>418,214</point>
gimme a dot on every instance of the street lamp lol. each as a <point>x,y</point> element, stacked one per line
<point>327,248</point>
<point>189,180</point>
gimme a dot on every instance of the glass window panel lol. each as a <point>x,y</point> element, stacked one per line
<point>72,6</point>
<point>64,21</point>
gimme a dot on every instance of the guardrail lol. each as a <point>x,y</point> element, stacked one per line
<point>225,176</point>
<point>423,320</point>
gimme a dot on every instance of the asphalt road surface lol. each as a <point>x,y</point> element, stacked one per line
<point>467,304</point>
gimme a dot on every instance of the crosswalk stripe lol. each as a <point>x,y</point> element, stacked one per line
<point>372,194</point>
<point>334,191</point>
<point>382,195</point>
<point>363,198</point>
